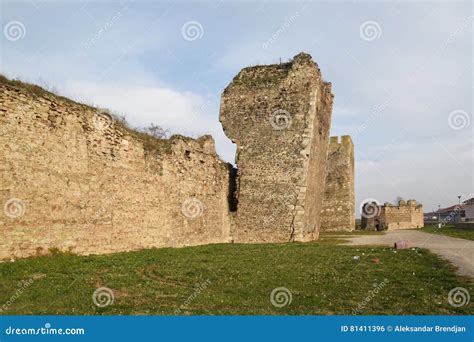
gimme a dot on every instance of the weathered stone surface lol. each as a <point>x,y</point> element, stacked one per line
<point>279,116</point>
<point>338,212</point>
<point>72,179</point>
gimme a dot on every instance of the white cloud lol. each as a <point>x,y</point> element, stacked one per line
<point>142,104</point>
<point>433,172</point>
<point>402,87</point>
<point>181,112</point>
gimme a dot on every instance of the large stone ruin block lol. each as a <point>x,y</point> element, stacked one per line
<point>279,116</point>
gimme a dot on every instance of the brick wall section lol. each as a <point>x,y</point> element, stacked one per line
<point>88,185</point>
<point>279,117</point>
<point>338,212</point>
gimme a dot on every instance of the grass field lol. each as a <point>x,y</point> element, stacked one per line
<point>450,230</point>
<point>355,232</point>
<point>323,278</point>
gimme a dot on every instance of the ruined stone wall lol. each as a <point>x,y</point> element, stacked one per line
<point>279,117</point>
<point>338,212</point>
<point>405,215</point>
<point>72,179</point>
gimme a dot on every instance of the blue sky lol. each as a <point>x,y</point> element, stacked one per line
<point>401,73</point>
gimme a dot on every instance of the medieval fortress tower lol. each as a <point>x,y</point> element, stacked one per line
<point>75,179</point>
<point>403,215</point>
<point>279,116</point>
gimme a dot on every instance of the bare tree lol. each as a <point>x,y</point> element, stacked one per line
<point>156,131</point>
<point>398,199</point>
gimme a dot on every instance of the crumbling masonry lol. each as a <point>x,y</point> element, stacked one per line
<point>74,179</point>
<point>338,212</point>
<point>279,116</point>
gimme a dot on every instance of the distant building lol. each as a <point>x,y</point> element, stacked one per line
<point>432,216</point>
<point>449,215</point>
<point>405,215</point>
<point>469,210</point>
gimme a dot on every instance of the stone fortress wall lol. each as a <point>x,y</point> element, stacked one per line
<point>405,215</point>
<point>338,211</point>
<point>73,178</point>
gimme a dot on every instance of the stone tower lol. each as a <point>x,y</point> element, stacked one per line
<point>279,116</point>
<point>338,212</point>
<point>404,215</point>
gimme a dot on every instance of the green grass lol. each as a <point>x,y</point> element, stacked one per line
<point>323,278</point>
<point>351,233</point>
<point>450,230</point>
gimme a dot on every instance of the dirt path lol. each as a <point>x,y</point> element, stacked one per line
<point>460,252</point>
